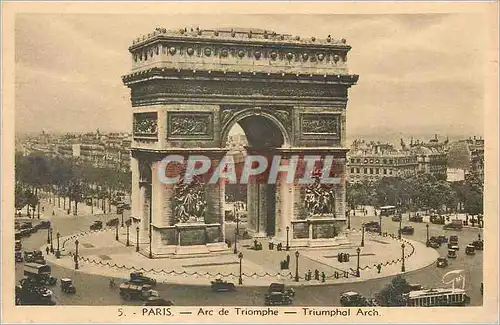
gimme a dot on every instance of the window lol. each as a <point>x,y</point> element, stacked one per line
<point>385,171</point>
<point>376,171</point>
<point>358,160</point>
<point>385,161</point>
<point>365,171</point>
<point>390,161</point>
<point>352,161</point>
<point>390,172</point>
<point>357,170</point>
<point>352,170</point>
<point>371,170</point>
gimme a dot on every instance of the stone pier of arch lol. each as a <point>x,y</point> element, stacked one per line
<point>189,88</point>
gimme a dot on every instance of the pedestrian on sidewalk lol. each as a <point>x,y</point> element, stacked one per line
<point>309,275</point>
<point>47,250</point>
<point>379,267</point>
<point>53,213</point>
<point>323,277</point>
<point>287,259</point>
<point>316,275</point>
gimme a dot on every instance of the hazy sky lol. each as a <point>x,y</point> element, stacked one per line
<point>419,74</point>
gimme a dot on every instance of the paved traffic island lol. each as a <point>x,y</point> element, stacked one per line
<point>380,256</point>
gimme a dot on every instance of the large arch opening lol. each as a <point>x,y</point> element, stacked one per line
<point>252,206</point>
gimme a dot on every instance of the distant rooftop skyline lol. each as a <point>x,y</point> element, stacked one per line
<point>420,74</point>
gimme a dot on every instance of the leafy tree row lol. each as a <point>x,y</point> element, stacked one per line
<point>420,192</point>
<point>65,178</point>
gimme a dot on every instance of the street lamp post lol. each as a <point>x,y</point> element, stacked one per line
<point>240,280</point>
<point>362,235</point>
<point>122,219</point>
<point>51,242</point>
<point>137,247</point>
<point>38,210</point>
<point>403,258</point>
<point>287,241</point>
<point>358,250</point>
<point>427,241</point>
<point>76,254</point>
<point>128,234</point>
<point>150,243</point>
<point>116,234</point>
<point>58,252</point>
<point>297,266</point>
<point>48,235</point>
<point>479,236</point>
<point>400,221</point>
<point>380,223</point>
<point>348,220</point>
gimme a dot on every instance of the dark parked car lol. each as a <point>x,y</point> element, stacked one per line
<point>416,218</point>
<point>113,222</point>
<point>218,286</point>
<point>140,278</point>
<point>45,224</point>
<point>407,230</point>
<point>470,250</point>
<point>434,244</point>
<point>442,239</point>
<point>67,286</point>
<point>280,287</point>
<point>442,262</point>
<point>97,225</point>
<point>478,244</point>
<point>372,226</point>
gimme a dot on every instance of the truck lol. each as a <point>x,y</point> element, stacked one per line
<point>29,292</point>
<point>40,274</point>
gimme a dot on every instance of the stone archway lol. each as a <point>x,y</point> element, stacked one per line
<point>290,96</point>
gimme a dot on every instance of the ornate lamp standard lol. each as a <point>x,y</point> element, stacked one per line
<point>137,247</point>
<point>58,252</point>
<point>48,235</point>
<point>76,254</point>
<point>236,232</point>
<point>348,220</point>
<point>51,242</point>
<point>403,258</point>
<point>116,234</point>
<point>240,280</point>
<point>427,243</point>
<point>358,250</point>
<point>287,241</point>
<point>122,218</point>
<point>128,234</point>
<point>150,243</point>
<point>400,221</point>
<point>362,235</point>
<point>297,266</point>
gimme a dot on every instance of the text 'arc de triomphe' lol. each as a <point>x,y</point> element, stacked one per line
<point>190,87</point>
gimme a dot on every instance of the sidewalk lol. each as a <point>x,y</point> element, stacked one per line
<point>101,254</point>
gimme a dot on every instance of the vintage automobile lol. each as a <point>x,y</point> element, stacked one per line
<point>416,218</point>
<point>30,293</point>
<point>278,299</point>
<point>34,257</point>
<point>442,262</point>
<point>140,278</point>
<point>415,287</point>
<point>44,224</point>
<point>19,257</point>
<point>453,241</point>
<point>157,301</point>
<point>130,291</point>
<point>407,230</point>
<point>39,274</point>
<point>434,244</point>
<point>280,287</point>
<point>478,245</point>
<point>437,219</point>
<point>455,224</point>
<point>353,299</point>
<point>97,225</point>
<point>452,253</point>
<point>470,250</point>
<point>442,239</point>
<point>218,285</point>
<point>113,222</point>
<point>396,218</point>
<point>18,245</point>
<point>67,286</point>
<point>372,226</point>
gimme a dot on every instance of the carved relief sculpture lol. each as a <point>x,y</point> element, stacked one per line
<point>145,124</point>
<point>189,124</point>
<point>319,199</point>
<point>320,123</point>
<point>188,202</point>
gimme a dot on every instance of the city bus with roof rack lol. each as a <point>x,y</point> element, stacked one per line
<point>437,298</point>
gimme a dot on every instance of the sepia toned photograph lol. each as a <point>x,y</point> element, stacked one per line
<point>323,166</point>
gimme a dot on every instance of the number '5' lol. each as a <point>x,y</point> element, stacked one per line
<point>120,312</point>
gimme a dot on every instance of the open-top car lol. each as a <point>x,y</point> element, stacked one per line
<point>442,262</point>
<point>470,250</point>
<point>97,225</point>
<point>407,230</point>
<point>140,278</point>
<point>218,285</point>
<point>67,286</point>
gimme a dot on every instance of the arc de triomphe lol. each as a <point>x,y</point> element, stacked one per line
<point>289,95</point>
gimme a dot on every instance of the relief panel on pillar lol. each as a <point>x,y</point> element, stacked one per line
<point>189,202</point>
<point>190,129</point>
<point>145,126</point>
<point>320,129</point>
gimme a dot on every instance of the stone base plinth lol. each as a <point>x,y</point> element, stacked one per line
<point>306,242</point>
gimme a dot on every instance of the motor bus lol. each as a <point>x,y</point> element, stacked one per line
<point>388,211</point>
<point>437,298</point>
